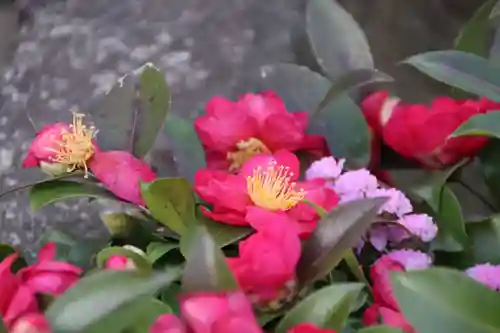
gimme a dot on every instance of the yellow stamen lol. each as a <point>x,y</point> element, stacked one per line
<point>246,149</point>
<point>75,146</point>
<point>273,189</point>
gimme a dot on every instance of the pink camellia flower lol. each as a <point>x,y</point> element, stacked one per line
<point>398,204</point>
<point>269,277</point>
<point>308,328</point>
<point>31,323</point>
<point>268,182</point>
<point>420,225</point>
<point>121,173</point>
<point>325,168</point>
<point>61,147</point>
<point>410,259</point>
<point>210,312</point>
<point>17,301</point>
<point>47,275</point>
<point>487,274</point>
<point>232,132</point>
<point>353,185</point>
<point>119,262</point>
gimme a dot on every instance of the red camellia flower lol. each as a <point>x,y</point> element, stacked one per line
<point>269,277</point>
<point>210,313</point>
<point>421,132</point>
<point>18,304</point>
<point>121,172</point>
<point>47,275</point>
<point>232,132</point>
<point>384,307</point>
<point>308,328</point>
<point>60,147</point>
<point>269,183</point>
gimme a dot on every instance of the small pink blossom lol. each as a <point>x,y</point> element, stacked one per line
<point>326,168</point>
<point>420,225</point>
<point>355,183</point>
<point>410,259</point>
<point>398,203</point>
<point>119,262</point>
<point>487,274</point>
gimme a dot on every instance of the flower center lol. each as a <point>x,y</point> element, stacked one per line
<point>246,149</point>
<point>272,189</point>
<point>75,146</point>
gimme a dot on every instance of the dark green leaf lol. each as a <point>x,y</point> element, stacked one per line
<point>336,233</point>
<point>170,295</point>
<point>354,80</point>
<point>461,70</point>
<point>380,329</point>
<point>482,124</point>
<point>5,251</point>
<point>485,240</point>
<point>154,104</point>
<point>489,158</point>
<point>55,190</point>
<point>140,261</point>
<point>327,308</point>
<point>156,250</point>
<point>206,268</point>
<point>97,296</point>
<point>475,36</point>
<point>338,42</point>
<point>223,234</point>
<point>150,311</point>
<point>171,202</point>
<point>118,224</point>
<point>185,145</point>
<point>439,300</point>
<point>132,113</point>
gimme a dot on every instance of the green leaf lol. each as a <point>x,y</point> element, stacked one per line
<point>440,300</point>
<point>336,233</point>
<point>97,296</point>
<point>150,311</point>
<point>170,295</point>
<point>461,70</point>
<point>485,240</point>
<point>156,250</point>
<point>327,308</point>
<point>171,202</point>
<point>380,329</point>
<point>118,224</point>
<point>132,113</point>
<point>495,12</point>
<point>52,191</point>
<point>206,268</point>
<point>140,261</point>
<point>474,37</point>
<point>185,145</point>
<point>338,42</point>
<point>222,234</point>
<point>489,158</point>
<point>482,125</point>
<point>354,80</point>
<point>5,251</point>
<point>302,89</point>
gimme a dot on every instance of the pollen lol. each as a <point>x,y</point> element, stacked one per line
<point>273,189</point>
<point>246,149</point>
<point>75,145</point>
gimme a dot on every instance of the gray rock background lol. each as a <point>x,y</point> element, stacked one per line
<point>74,50</point>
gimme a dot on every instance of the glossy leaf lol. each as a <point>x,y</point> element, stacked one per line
<point>336,233</point>
<point>485,240</point>
<point>118,224</point>
<point>140,261</point>
<point>302,89</point>
<point>185,145</point>
<point>222,234</point>
<point>327,308</point>
<point>156,250</point>
<point>206,268</point>
<point>489,158</point>
<point>106,292</point>
<point>461,70</point>
<point>487,124</point>
<point>380,329</point>
<point>475,36</point>
<point>52,191</point>
<point>441,300</point>
<point>338,42</point>
<point>132,113</point>
<point>171,202</point>
<point>151,310</point>
<point>170,296</point>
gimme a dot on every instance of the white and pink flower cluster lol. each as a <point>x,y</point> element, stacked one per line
<point>398,221</point>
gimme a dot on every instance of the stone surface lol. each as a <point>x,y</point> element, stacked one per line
<point>75,50</point>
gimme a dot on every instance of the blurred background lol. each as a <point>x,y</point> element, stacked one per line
<point>58,55</point>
